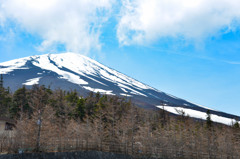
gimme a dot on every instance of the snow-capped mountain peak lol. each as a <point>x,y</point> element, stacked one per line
<point>71,71</point>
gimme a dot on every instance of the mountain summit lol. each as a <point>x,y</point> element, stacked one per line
<point>70,71</point>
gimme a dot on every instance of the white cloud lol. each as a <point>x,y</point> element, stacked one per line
<point>75,24</point>
<point>1,19</point>
<point>149,20</point>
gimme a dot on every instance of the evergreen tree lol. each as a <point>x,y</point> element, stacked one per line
<point>80,108</point>
<point>20,103</point>
<point>5,99</point>
<point>59,103</point>
<point>72,99</point>
<point>163,115</point>
<point>208,119</point>
<point>1,95</point>
<point>91,104</point>
<point>236,124</point>
<point>1,81</point>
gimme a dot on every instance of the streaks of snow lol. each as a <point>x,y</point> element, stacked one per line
<point>96,81</point>
<point>112,78</point>
<point>132,90</point>
<point>74,62</point>
<point>172,96</point>
<point>124,90</point>
<point>82,64</point>
<point>32,81</point>
<point>197,114</point>
<point>138,93</point>
<point>85,66</point>
<point>108,92</point>
<point>123,86</point>
<point>9,66</point>
<point>44,63</point>
<point>201,106</point>
<point>126,95</point>
<point>154,96</point>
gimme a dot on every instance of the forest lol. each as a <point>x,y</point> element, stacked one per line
<point>57,120</point>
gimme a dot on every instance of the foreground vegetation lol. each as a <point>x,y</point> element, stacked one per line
<point>56,120</point>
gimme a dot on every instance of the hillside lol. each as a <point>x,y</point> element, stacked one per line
<point>70,71</point>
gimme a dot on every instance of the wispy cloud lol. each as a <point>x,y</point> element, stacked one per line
<point>192,55</point>
<point>149,20</point>
<point>74,24</point>
<point>232,62</point>
<point>2,18</point>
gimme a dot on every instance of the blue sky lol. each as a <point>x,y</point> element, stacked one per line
<point>190,49</point>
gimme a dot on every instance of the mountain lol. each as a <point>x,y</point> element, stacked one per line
<point>70,71</point>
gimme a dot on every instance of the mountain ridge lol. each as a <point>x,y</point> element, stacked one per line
<point>71,71</point>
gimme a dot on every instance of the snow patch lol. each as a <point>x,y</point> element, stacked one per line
<point>126,95</point>
<point>108,92</point>
<point>32,81</point>
<point>197,114</point>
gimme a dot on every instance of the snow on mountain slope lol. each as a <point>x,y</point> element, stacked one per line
<point>197,114</point>
<point>71,71</point>
<point>76,63</point>
<point>32,81</point>
<point>9,66</point>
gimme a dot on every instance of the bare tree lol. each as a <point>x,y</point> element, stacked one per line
<point>39,100</point>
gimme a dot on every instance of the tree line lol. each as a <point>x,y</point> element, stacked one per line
<point>45,116</point>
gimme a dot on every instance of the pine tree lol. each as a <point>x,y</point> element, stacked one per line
<point>72,99</point>
<point>5,99</point>
<point>236,124</point>
<point>1,95</point>
<point>59,103</point>
<point>1,91</point>
<point>80,109</point>
<point>20,103</point>
<point>1,81</point>
<point>208,119</point>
